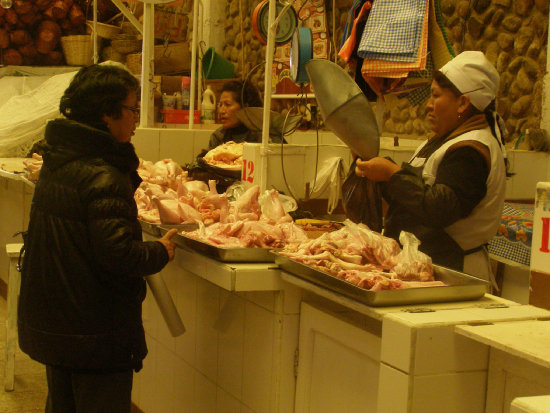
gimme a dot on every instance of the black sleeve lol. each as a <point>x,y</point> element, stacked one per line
<point>216,139</point>
<point>459,186</point>
<point>112,234</point>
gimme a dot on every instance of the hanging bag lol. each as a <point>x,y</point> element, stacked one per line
<point>362,200</point>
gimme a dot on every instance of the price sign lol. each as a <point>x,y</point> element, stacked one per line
<point>540,247</point>
<point>544,235</point>
<point>248,171</point>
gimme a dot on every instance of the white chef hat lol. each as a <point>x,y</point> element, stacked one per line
<point>474,76</point>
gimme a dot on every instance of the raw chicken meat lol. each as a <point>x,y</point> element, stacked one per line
<point>246,226</point>
<point>163,172</point>
<point>33,165</point>
<point>166,195</point>
<point>228,154</point>
<point>213,206</point>
<point>365,258</point>
<point>247,207</point>
<point>273,210</point>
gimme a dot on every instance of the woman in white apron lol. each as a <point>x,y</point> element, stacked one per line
<point>451,193</point>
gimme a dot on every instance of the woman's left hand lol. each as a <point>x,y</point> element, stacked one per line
<point>376,169</point>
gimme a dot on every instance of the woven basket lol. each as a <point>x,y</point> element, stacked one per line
<point>126,46</point>
<point>78,50</point>
<point>133,62</point>
<point>127,27</point>
<point>108,53</point>
<point>107,31</point>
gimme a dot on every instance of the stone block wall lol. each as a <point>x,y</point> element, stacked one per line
<point>512,33</point>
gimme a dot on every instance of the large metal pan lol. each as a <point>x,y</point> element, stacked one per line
<point>219,252</point>
<point>459,286</point>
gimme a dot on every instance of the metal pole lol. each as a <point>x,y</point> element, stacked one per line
<point>194,46</point>
<point>94,32</point>
<point>147,118</point>
<point>267,94</point>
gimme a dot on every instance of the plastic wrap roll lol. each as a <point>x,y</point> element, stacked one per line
<point>165,304</point>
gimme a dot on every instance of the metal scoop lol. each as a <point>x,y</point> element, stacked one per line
<point>344,107</point>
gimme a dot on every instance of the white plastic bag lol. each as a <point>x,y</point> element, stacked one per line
<point>412,264</point>
<point>23,117</point>
<point>330,177</point>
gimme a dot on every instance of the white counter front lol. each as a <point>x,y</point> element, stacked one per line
<point>262,341</point>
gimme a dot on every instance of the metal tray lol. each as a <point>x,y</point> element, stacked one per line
<point>221,253</point>
<point>149,228</point>
<point>161,229</point>
<point>460,286</point>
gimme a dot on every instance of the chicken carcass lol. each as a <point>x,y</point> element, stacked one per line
<point>273,209</point>
<point>33,165</point>
<point>364,258</point>
<point>247,207</point>
<point>227,154</point>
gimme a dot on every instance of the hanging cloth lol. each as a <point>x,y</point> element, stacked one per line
<point>349,45</point>
<point>348,27</point>
<point>394,30</point>
<point>374,67</point>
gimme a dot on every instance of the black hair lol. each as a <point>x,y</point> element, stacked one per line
<point>445,83</point>
<point>95,91</point>
<point>243,92</point>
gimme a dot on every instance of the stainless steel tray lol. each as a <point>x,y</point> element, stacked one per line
<point>460,286</point>
<point>221,253</point>
<point>160,229</point>
<point>152,229</point>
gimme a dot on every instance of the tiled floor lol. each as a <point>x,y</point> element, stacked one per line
<point>30,390</point>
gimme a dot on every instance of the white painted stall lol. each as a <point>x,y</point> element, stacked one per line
<point>260,340</point>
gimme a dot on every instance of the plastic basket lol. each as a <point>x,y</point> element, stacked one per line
<point>78,50</point>
<point>216,66</point>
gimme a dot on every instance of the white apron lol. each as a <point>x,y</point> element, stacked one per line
<point>482,224</point>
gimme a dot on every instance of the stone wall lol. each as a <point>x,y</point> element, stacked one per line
<point>512,33</point>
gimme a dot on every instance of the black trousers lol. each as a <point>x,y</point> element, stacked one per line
<point>70,392</point>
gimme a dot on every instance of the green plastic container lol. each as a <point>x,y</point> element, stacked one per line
<point>215,66</point>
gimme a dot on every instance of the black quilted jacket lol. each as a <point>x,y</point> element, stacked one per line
<point>82,281</point>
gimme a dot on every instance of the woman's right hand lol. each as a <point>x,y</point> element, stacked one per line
<point>376,169</point>
<point>168,244</point>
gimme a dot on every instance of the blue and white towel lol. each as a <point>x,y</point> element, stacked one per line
<point>393,31</point>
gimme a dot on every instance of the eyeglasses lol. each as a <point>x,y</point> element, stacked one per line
<point>134,109</point>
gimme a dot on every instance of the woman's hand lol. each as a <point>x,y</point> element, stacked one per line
<point>168,244</point>
<point>376,169</point>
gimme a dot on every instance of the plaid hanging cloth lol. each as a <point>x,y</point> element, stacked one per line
<point>394,30</point>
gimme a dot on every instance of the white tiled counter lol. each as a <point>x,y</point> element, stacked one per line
<point>519,359</point>
<point>405,359</point>
<point>237,354</point>
<point>260,340</point>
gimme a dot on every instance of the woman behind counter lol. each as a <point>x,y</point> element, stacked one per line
<point>82,282</point>
<point>234,96</point>
<point>451,193</point>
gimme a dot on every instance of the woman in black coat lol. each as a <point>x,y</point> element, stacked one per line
<point>82,284</point>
